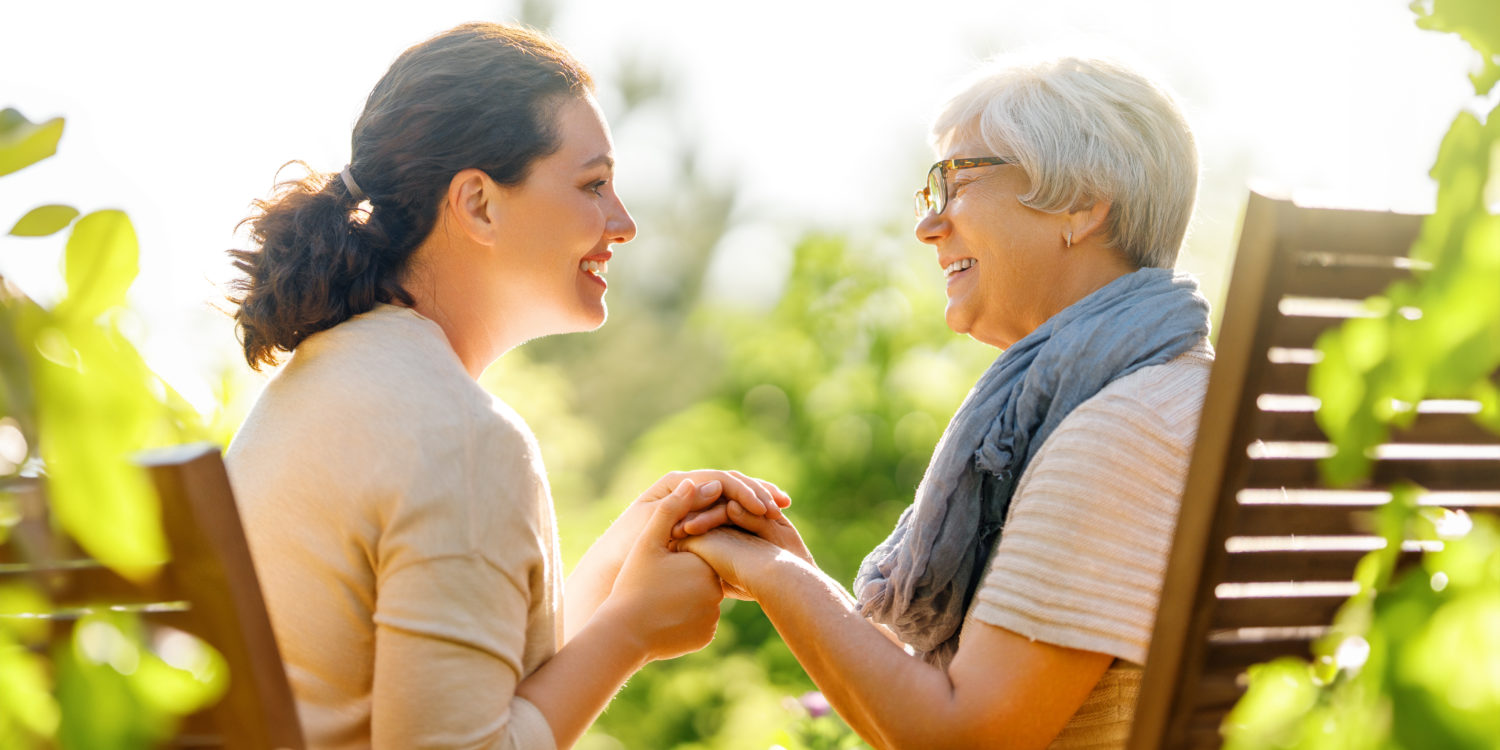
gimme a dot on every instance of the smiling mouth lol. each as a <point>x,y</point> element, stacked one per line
<point>958,266</point>
<point>594,270</point>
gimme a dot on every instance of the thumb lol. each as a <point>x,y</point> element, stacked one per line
<point>668,511</point>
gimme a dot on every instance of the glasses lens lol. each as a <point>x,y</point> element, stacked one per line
<point>937,189</point>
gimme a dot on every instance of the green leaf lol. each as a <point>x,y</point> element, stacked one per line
<point>23,143</point>
<point>1475,21</point>
<point>24,599</point>
<point>101,261</point>
<point>28,708</point>
<point>94,410</point>
<point>44,220</point>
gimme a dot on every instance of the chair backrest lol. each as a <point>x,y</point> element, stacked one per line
<point>208,588</point>
<point>1264,552</point>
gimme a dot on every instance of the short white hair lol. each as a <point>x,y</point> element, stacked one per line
<point>1086,130</point>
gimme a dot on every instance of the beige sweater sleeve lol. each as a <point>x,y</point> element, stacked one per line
<point>459,585</point>
<point>449,681</point>
<point>1081,558</point>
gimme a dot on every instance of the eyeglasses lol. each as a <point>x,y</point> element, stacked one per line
<point>934,197</point>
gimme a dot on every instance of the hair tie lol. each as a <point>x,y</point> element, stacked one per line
<point>351,185</point>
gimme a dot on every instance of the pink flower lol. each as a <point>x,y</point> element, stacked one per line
<point>815,704</point>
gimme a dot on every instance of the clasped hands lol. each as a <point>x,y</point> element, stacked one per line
<point>687,541</point>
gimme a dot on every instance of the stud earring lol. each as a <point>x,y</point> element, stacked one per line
<point>1070,238</point>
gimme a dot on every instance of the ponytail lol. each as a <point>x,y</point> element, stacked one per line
<point>321,259</point>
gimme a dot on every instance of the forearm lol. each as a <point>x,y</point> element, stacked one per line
<point>891,698</point>
<point>587,587</point>
<point>575,685</point>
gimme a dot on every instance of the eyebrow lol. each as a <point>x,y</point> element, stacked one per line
<point>604,159</point>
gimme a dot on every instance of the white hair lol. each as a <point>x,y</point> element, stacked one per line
<point>1086,130</point>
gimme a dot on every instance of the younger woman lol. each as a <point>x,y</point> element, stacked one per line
<point>399,516</point>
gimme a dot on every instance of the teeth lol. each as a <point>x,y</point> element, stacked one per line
<point>958,265</point>
<point>596,267</point>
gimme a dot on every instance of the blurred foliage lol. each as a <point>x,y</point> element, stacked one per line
<point>76,401</point>
<point>1412,661</point>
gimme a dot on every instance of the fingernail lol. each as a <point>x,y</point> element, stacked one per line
<point>711,489</point>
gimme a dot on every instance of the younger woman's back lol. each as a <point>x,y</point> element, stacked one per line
<point>373,461</point>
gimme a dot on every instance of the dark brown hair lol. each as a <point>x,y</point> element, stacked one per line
<point>481,95</point>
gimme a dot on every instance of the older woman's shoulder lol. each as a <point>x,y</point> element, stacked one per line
<point>1165,399</point>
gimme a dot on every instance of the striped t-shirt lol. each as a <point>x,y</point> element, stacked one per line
<point>1084,550</point>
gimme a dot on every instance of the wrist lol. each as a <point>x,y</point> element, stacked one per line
<point>613,624</point>
<point>763,572</point>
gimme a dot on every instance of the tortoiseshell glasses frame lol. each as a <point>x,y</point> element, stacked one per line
<point>933,198</point>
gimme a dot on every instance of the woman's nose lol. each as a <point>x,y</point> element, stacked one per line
<point>932,227</point>
<point>620,227</point>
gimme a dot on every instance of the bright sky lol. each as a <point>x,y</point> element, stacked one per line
<point>181,112</point>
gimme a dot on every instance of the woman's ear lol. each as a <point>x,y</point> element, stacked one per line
<point>1085,222</point>
<point>473,205</point>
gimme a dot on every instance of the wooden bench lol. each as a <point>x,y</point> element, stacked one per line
<point>208,588</point>
<point>1264,552</point>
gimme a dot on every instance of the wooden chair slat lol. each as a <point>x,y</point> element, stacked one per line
<point>1266,519</point>
<point>1285,611</point>
<point>1354,282</point>
<point>1444,474</point>
<point>81,582</point>
<point>1301,331</point>
<point>1218,688</point>
<point>1291,565</point>
<point>1238,655</point>
<point>1285,377</point>
<point>1433,429</point>
<point>1313,231</point>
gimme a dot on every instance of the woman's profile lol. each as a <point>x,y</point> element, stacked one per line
<point>399,515</point>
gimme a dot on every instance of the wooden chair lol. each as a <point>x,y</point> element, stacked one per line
<point>209,589</point>
<point>1264,553</point>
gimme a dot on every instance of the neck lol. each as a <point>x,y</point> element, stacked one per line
<point>1091,267</point>
<point>474,339</point>
<point>448,287</point>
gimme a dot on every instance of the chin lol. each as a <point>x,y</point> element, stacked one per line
<point>590,320</point>
<point>956,320</point>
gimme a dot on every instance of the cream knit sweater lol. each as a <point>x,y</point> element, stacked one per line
<point>402,527</point>
<point>1083,553</point>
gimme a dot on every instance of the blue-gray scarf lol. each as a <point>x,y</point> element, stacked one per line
<point>919,580</point>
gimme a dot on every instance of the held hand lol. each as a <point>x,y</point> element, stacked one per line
<point>731,551</point>
<point>668,602</point>
<point>756,496</point>
<point>778,531</point>
<point>735,556</point>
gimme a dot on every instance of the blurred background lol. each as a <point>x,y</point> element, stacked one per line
<point>775,313</point>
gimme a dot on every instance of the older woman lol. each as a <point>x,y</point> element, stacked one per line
<point>1013,604</point>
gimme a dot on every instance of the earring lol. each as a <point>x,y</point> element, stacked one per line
<point>1070,238</point>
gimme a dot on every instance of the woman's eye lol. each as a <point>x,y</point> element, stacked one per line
<point>597,186</point>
